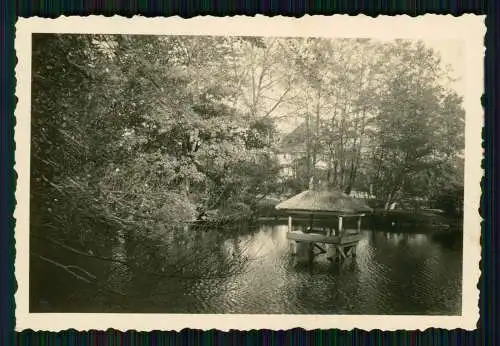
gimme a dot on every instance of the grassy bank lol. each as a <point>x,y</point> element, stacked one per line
<point>413,219</point>
<point>398,220</point>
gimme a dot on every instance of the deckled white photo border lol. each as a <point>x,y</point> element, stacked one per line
<point>468,28</point>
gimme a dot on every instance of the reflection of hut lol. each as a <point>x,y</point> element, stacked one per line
<point>326,202</point>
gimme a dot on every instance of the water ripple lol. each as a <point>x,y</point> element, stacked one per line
<point>254,272</point>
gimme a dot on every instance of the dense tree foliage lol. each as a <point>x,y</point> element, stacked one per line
<point>141,130</point>
<point>381,115</point>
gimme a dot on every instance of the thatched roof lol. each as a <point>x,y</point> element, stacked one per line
<point>325,201</point>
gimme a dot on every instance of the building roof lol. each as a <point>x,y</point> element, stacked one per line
<point>325,201</point>
<point>295,141</point>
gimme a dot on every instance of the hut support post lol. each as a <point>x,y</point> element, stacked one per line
<point>340,225</point>
<point>359,224</point>
<point>289,224</point>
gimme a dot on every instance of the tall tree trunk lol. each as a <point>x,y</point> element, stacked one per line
<point>342,148</point>
<point>335,173</point>
<point>315,141</point>
<point>355,161</point>
<point>308,148</point>
<point>333,152</point>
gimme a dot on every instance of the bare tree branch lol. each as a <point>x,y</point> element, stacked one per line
<point>278,102</point>
<point>67,268</point>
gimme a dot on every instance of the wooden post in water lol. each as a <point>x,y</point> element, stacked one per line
<point>293,247</point>
<point>293,244</point>
<point>310,252</point>
<point>340,225</point>
<point>331,252</point>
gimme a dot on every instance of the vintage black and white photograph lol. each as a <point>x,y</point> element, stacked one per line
<point>247,174</point>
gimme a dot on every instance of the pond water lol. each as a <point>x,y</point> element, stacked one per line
<point>253,271</point>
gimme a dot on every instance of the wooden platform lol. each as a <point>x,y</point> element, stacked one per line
<point>341,248</point>
<point>319,238</point>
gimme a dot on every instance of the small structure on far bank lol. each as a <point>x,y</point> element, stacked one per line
<point>324,201</point>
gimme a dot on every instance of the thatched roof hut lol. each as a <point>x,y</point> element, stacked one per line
<point>332,202</point>
<point>327,202</point>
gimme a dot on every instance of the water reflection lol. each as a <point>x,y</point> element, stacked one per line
<point>252,270</point>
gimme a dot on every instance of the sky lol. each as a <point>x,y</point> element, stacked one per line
<point>453,54</point>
